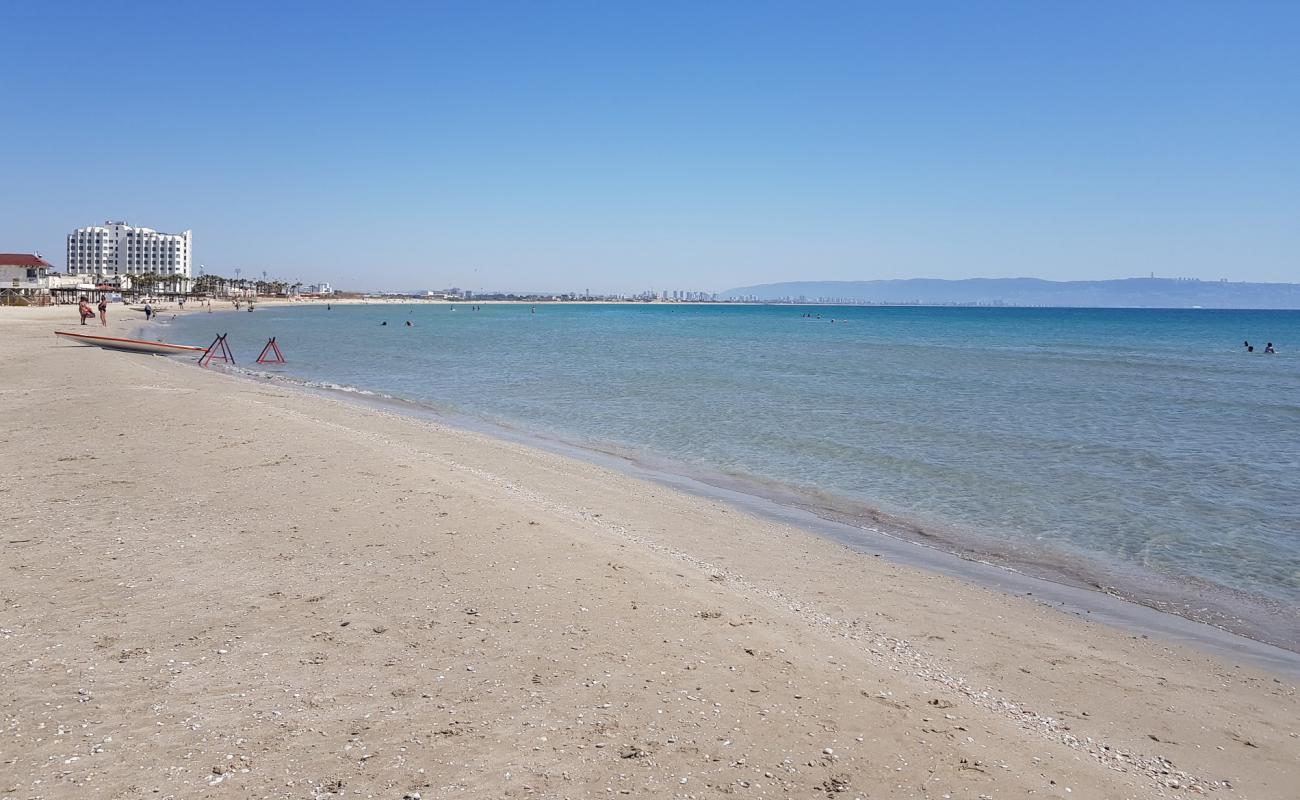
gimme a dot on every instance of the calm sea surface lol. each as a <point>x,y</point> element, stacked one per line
<point>1144,440</point>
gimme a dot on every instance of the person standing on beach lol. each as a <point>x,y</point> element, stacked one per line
<point>83,308</point>
<point>148,312</point>
<point>103,311</point>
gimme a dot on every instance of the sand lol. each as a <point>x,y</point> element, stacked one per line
<point>217,587</point>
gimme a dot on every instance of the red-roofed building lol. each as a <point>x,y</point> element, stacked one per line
<point>23,276</point>
<point>26,260</point>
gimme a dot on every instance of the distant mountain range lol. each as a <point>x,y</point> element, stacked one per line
<point>1126,293</point>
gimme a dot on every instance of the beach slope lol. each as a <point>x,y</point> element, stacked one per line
<point>216,587</point>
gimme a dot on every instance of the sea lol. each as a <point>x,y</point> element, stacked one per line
<point>1142,452</point>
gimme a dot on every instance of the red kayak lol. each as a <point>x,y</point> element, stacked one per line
<point>131,345</point>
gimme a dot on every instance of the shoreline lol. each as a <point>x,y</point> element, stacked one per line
<point>1067,593</point>
<point>219,581</point>
<point>418,301</point>
<point>1264,629</point>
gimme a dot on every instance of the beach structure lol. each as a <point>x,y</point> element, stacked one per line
<point>271,353</point>
<point>116,248</point>
<point>24,279</point>
<point>219,350</point>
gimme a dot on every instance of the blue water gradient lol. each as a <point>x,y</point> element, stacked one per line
<point>1141,438</point>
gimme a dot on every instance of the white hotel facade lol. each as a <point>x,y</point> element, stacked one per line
<point>116,248</point>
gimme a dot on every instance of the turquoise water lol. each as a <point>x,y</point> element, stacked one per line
<point>1148,441</point>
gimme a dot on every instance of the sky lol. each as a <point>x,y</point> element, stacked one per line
<point>619,146</point>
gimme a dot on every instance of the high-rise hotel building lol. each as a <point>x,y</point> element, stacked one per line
<point>116,248</point>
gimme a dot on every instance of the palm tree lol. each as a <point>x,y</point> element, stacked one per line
<point>144,282</point>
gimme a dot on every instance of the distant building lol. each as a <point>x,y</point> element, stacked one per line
<point>23,273</point>
<point>24,279</point>
<point>116,248</point>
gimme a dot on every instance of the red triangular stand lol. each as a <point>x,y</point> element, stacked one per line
<point>275,357</point>
<point>218,350</point>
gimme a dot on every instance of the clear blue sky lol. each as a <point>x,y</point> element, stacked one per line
<point>699,145</point>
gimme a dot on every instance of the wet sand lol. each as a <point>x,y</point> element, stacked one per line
<point>220,588</point>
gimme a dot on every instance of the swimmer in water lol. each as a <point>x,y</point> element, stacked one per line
<point>1268,349</point>
<point>385,322</point>
<point>409,324</point>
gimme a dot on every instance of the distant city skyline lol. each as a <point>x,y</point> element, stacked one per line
<point>617,148</point>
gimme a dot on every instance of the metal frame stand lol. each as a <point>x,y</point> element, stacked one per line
<point>274,349</point>
<point>218,350</point>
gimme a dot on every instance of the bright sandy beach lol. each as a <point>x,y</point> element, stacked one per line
<point>217,587</point>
